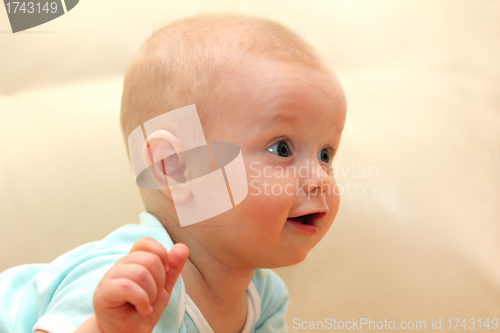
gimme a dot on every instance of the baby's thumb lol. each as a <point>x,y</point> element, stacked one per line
<point>177,257</point>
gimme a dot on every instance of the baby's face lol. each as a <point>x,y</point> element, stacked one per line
<point>287,120</point>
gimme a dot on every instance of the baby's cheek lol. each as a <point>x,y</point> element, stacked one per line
<point>268,198</point>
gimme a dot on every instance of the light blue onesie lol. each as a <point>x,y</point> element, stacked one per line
<point>57,297</point>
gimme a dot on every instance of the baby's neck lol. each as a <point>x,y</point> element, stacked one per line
<point>216,283</point>
<point>218,291</point>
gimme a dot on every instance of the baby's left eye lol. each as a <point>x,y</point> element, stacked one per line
<point>324,155</point>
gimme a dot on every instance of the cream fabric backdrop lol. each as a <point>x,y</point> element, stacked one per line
<point>420,237</point>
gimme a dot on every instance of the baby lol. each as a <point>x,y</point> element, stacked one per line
<point>254,83</point>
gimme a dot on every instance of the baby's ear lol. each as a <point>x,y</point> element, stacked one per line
<point>158,146</point>
<point>161,152</point>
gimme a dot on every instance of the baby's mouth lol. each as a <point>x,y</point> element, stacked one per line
<point>307,219</point>
<point>305,224</point>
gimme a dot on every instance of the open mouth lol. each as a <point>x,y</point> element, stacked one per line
<point>304,219</point>
<point>305,224</point>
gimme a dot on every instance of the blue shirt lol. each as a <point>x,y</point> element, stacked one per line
<point>57,297</point>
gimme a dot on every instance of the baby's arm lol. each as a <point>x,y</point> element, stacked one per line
<point>134,292</point>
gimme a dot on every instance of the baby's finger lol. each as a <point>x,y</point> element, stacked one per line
<point>178,255</point>
<point>119,291</point>
<point>150,261</point>
<point>138,274</point>
<point>160,304</point>
<point>150,245</point>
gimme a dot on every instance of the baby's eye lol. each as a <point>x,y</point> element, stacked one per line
<point>324,155</point>
<point>280,148</point>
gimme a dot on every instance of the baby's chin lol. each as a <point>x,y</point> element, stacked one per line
<point>284,262</point>
<point>285,258</point>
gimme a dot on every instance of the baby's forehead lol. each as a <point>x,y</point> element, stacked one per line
<point>279,98</point>
<point>255,79</point>
<point>284,85</point>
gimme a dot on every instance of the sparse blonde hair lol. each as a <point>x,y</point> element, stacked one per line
<point>181,61</point>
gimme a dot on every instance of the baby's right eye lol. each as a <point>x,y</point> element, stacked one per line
<point>280,148</point>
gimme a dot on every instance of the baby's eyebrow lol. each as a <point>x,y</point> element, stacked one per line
<point>284,117</point>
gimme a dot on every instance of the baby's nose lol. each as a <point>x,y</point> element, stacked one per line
<point>317,180</point>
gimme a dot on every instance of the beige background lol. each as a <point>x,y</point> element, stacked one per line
<point>422,80</point>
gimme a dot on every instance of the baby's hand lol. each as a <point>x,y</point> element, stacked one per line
<point>134,292</point>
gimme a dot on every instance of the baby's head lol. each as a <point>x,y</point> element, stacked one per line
<point>257,84</point>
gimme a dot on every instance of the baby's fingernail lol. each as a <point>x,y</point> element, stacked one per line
<point>167,268</point>
<point>150,309</point>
